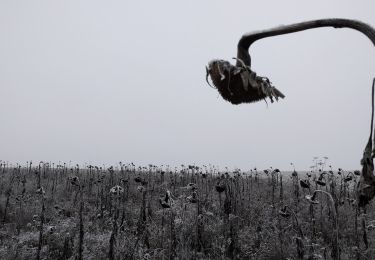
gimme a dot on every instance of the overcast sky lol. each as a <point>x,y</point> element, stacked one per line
<point>107,81</point>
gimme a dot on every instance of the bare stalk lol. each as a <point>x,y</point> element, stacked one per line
<point>40,242</point>
<point>336,250</point>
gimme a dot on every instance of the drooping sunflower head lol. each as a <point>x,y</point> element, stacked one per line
<point>239,84</point>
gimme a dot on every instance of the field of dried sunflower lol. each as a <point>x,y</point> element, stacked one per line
<point>50,211</point>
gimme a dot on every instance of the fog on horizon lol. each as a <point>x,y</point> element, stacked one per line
<point>102,82</point>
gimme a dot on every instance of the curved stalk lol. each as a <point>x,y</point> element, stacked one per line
<point>336,230</point>
<point>248,39</point>
<point>299,239</point>
<point>297,222</point>
<point>367,181</point>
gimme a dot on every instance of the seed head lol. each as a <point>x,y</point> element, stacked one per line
<point>116,190</point>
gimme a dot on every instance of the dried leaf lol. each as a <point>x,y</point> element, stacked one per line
<point>366,184</point>
<point>222,76</point>
<point>207,74</point>
<point>236,70</point>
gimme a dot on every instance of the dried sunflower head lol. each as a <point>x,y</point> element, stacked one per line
<point>239,84</point>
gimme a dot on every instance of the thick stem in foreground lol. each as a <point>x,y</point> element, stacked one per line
<point>248,39</point>
<point>366,185</point>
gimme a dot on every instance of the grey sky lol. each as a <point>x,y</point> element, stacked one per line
<point>108,81</point>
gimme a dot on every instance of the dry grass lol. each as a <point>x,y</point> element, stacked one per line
<point>156,213</point>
